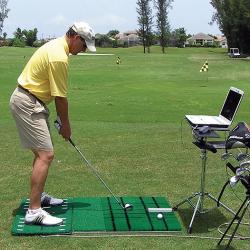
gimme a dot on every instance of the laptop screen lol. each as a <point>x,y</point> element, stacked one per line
<point>230,106</point>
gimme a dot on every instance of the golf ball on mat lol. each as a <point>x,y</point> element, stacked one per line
<point>159,216</point>
<point>128,206</point>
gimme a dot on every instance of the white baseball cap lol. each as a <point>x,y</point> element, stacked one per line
<point>86,32</point>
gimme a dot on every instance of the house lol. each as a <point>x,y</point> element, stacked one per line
<point>222,41</point>
<point>200,39</point>
<point>131,38</point>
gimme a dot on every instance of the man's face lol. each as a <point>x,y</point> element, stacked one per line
<point>78,45</point>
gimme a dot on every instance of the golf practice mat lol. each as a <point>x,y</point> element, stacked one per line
<point>101,214</point>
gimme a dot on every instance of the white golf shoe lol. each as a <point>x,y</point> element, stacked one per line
<point>42,218</point>
<point>48,200</point>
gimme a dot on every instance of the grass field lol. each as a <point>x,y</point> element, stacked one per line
<point>128,120</point>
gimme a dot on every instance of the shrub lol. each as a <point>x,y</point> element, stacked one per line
<point>39,43</point>
<point>4,43</point>
<point>18,42</point>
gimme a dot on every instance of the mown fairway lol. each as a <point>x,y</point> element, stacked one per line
<point>128,120</point>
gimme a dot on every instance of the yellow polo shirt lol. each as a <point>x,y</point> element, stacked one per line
<point>46,73</point>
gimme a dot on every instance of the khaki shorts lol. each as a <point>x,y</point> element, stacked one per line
<point>31,120</point>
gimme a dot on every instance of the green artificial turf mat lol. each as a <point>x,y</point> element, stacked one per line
<point>101,214</point>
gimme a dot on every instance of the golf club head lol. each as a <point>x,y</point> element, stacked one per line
<point>243,172</point>
<point>242,156</point>
<point>234,180</point>
<point>245,164</point>
<point>225,156</point>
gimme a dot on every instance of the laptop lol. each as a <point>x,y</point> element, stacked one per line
<point>226,116</point>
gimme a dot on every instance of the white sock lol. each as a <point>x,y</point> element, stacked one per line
<point>34,211</point>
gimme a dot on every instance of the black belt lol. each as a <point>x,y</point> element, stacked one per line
<point>28,92</point>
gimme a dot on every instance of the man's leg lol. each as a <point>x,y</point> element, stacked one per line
<point>40,170</point>
<point>35,214</point>
<point>32,123</point>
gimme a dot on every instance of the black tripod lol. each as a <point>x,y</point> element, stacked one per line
<point>245,180</point>
<point>204,146</point>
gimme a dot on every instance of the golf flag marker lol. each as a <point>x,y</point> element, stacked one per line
<point>204,68</point>
<point>118,60</point>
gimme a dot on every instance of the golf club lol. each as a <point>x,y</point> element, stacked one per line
<point>127,206</point>
<point>226,155</point>
<point>242,156</point>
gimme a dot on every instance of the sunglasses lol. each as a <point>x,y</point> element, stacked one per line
<point>83,41</point>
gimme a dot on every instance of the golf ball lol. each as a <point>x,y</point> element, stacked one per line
<point>159,216</point>
<point>128,206</point>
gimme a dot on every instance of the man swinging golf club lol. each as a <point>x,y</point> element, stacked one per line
<point>43,80</point>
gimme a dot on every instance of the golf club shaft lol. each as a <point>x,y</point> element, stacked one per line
<point>95,172</point>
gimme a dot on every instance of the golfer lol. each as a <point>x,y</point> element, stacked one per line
<point>43,80</point>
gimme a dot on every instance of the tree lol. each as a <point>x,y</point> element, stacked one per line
<point>112,33</point>
<point>3,13</point>
<point>4,35</point>
<point>30,36</point>
<point>178,37</point>
<point>162,23</point>
<point>145,21</point>
<point>26,36</point>
<point>233,18</point>
<point>18,33</point>
<point>103,41</point>
<point>18,40</point>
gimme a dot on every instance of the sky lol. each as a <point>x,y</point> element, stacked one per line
<point>52,18</point>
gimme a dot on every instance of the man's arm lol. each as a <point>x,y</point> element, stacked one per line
<point>62,111</point>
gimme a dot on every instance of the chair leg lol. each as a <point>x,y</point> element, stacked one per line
<point>237,225</point>
<point>234,218</point>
